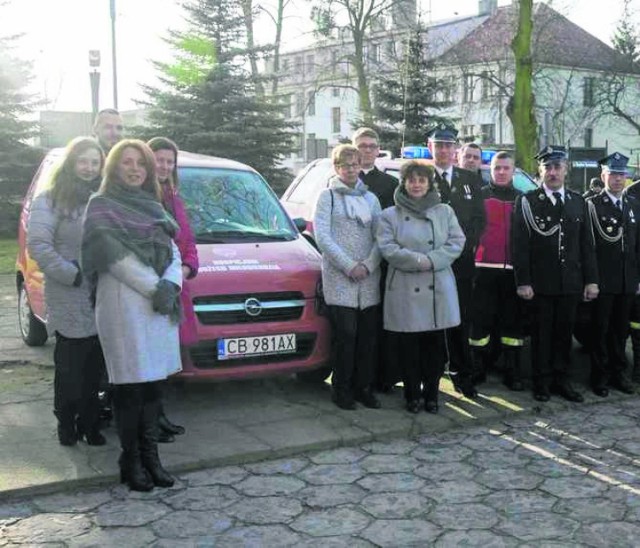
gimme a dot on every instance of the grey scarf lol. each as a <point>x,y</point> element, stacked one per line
<point>355,203</point>
<point>418,206</point>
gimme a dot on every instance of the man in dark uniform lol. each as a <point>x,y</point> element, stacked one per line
<point>497,310</point>
<point>633,191</point>
<point>383,186</point>
<point>617,235</point>
<point>461,189</point>
<point>555,266</point>
<point>595,187</point>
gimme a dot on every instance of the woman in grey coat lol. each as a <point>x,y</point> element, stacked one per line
<point>53,239</point>
<point>420,238</point>
<point>129,255</point>
<point>345,222</point>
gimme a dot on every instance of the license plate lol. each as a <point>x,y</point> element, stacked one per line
<point>241,347</point>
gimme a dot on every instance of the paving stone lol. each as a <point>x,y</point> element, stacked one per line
<point>279,466</point>
<point>495,459</point>
<point>629,447</point>
<point>509,478</point>
<point>379,464</point>
<point>186,524</point>
<point>574,487</point>
<point>484,441</point>
<point>398,447</point>
<point>214,497</point>
<point>10,513</point>
<point>130,513</point>
<point>342,455</point>
<point>379,483</point>
<point>552,468</point>
<point>264,486</point>
<point>396,505</point>
<point>613,421</point>
<point>131,537</point>
<point>454,491</point>
<point>255,536</point>
<point>442,471</point>
<point>331,522</point>
<point>464,516</point>
<point>475,538</point>
<point>538,526</point>
<point>591,509</point>
<point>335,542</point>
<point>401,532</point>
<point>43,528</point>
<point>328,474</point>
<point>72,502</point>
<point>330,496</point>
<point>265,510</point>
<point>604,535</point>
<point>227,475</point>
<point>520,502</point>
<point>439,453</point>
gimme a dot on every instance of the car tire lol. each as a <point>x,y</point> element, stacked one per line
<point>315,376</point>
<point>32,330</point>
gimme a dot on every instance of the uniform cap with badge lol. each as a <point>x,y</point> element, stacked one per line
<point>551,154</point>
<point>443,134</point>
<point>614,163</point>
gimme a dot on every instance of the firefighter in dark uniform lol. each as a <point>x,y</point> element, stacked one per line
<point>634,319</point>
<point>617,234</point>
<point>554,261</point>
<point>461,189</point>
<point>383,186</point>
<point>595,187</point>
<point>497,320</point>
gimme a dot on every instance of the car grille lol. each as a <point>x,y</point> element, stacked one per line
<point>205,354</point>
<point>232,309</point>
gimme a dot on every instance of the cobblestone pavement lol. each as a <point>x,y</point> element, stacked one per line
<point>560,480</point>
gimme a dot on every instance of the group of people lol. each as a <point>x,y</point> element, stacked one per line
<point>111,235</point>
<point>465,271</point>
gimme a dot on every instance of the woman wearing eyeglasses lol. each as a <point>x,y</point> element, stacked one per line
<point>345,224</point>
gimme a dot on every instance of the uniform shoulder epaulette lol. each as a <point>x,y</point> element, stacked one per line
<point>573,193</point>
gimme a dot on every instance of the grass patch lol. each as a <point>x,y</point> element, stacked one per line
<point>8,254</point>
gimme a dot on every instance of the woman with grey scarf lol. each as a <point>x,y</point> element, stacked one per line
<point>345,223</point>
<point>420,238</point>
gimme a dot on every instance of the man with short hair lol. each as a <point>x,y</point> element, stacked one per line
<point>461,189</point>
<point>497,308</point>
<point>595,187</point>
<point>383,186</point>
<point>554,261</point>
<point>470,157</point>
<point>108,128</point>
<point>616,228</point>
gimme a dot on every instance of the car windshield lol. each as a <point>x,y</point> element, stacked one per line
<point>232,205</point>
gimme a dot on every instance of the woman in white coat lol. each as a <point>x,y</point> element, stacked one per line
<point>420,238</point>
<point>129,256</point>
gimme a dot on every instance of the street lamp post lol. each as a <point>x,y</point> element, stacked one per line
<point>94,78</point>
<point>113,53</point>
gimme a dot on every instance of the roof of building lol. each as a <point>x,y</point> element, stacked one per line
<point>555,41</point>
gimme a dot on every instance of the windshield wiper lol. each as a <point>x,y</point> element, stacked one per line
<point>218,236</point>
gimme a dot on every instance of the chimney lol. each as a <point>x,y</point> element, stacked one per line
<point>487,7</point>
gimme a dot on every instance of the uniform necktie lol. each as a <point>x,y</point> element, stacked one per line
<point>558,198</point>
<point>361,175</point>
<point>444,177</point>
<point>619,205</point>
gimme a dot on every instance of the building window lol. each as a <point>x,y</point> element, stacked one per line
<point>285,65</point>
<point>374,53</point>
<point>287,105</point>
<point>448,89</point>
<point>299,104</point>
<point>487,86</point>
<point>298,65</point>
<point>311,104</point>
<point>334,61</point>
<point>335,120</point>
<point>467,88</point>
<point>467,132</point>
<point>311,65</point>
<point>588,137</point>
<point>588,92</point>
<point>488,133</point>
<point>336,92</point>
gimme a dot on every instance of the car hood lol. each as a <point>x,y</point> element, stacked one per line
<point>241,268</point>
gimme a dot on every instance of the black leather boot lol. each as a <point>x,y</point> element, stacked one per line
<point>512,370</point>
<point>367,398</point>
<point>128,406</point>
<point>67,434</point>
<point>635,344</point>
<point>149,439</point>
<point>167,426</point>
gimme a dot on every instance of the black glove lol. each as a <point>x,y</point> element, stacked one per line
<point>165,298</point>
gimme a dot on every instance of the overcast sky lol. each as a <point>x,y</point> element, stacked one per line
<point>59,34</point>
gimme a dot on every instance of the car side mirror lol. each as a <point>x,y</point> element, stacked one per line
<point>300,223</point>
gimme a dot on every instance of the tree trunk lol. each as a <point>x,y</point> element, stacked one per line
<point>279,20</point>
<point>247,12</point>
<point>521,107</point>
<point>359,63</point>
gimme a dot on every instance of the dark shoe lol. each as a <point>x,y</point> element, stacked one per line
<point>601,391</point>
<point>512,370</point>
<point>466,388</point>
<point>343,401</point>
<point>431,406</point>
<point>384,388</point>
<point>541,394</point>
<point>366,398</point>
<point>413,406</point>
<point>67,435</point>
<point>167,426</point>
<point>514,385</point>
<point>566,391</point>
<point>92,436</point>
<point>165,437</point>
<point>622,385</point>
<point>133,474</point>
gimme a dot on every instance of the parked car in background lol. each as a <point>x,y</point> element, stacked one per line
<point>256,294</point>
<point>302,194</point>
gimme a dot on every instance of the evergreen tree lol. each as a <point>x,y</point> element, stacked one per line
<point>208,102</point>
<point>407,100</point>
<point>626,38</point>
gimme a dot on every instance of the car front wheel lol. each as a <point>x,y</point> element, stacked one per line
<point>33,331</point>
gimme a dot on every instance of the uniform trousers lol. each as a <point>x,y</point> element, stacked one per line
<point>552,338</point>
<point>609,326</point>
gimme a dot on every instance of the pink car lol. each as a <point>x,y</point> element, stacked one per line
<point>255,295</point>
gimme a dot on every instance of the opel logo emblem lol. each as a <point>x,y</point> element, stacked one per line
<point>253,307</point>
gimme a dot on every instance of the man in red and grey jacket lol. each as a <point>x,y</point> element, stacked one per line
<point>497,319</point>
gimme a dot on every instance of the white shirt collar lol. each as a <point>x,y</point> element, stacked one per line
<point>366,171</point>
<point>448,171</point>
<point>550,192</point>
<point>613,198</point>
